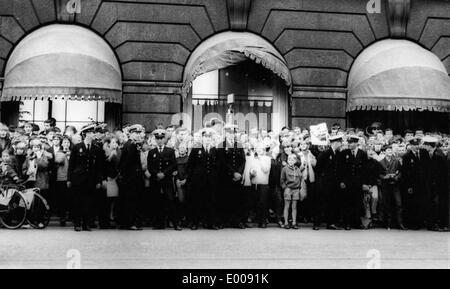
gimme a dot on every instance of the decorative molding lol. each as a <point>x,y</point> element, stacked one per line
<point>238,11</point>
<point>397,16</point>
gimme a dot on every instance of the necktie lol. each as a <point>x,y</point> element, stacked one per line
<point>88,147</point>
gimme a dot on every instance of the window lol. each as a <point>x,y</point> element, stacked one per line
<point>70,112</point>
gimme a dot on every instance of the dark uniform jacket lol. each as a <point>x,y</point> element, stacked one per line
<point>85,166</point>
<point>233,160</point>
<point>203,167</point>
<point>326,168</point>
<point>350,169</point>
<point>164,162</point>
<point>413,171</point>
<point>436,172</point>
<point>130,166</point>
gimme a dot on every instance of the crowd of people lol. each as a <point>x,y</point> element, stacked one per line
<point>221,176</point>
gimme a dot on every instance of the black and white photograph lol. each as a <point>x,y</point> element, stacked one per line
<point>224,138</point>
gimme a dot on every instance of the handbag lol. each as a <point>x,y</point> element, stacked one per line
<point>112,189</point>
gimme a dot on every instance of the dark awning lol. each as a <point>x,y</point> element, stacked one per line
<point>230,48</point>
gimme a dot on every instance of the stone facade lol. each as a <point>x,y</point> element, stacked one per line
<point>153,40</point>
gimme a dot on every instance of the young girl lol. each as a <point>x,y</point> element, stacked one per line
<point>291,182</point>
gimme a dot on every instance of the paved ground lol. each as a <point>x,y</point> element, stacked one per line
<point>230,248</point>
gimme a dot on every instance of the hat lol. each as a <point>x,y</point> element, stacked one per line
<point>352,138</point>
<point>159,133</point>
<point>88,128</point>
<point>429,139</point>
<point>414,141</point>
<point>334,138</point>
<point>136,128</point>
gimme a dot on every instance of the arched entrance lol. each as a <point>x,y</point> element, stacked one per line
<point>242,64</point>
<point>400,84</point>
<point>63,71</point>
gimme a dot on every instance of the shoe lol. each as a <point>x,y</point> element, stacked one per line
<point>77,229</point>
<point>93,226</point>
<point>333,227</point>
<point>286,226</point>
<point>41,226</point>
<point>280,224</point>
<point>348,228</point>
<point>177,228</point>
<point>444,229</point>
<point>248,225</point>
<point>241,226</point>
<point>294,226</point>
<point>262,226</point>
<point>87,229</point>
<point>316,228</point>
<point>194,227</point>
<point>133,228</point>
<point>401,227</point>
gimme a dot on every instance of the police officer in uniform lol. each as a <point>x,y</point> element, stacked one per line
<point>233,161</point>
<point>350,167</point>
<point>203,166</point>
<point>161,164</point>
<point>131,178</point>
<point>84,177</point>
<point>326,197</point>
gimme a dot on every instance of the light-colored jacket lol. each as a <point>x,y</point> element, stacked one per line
<point>308,162</point>
<point>261,165</point>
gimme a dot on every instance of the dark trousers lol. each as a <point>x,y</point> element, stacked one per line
<point>326,203</point>
<point>250,207</point>
<point>62,199</point>
<point>82,204</point>
<point>277,201</point>
<point>444,208</point>
<point>415,209</point>
<point>129,196</point>
<point>352,199</point>
<point>392,203</point>
<point>202,204</point>
<point>306,206</point>
<point>165,207</point>
<point>100,209</point>
<point>262,203</point>
<point>232,203</point>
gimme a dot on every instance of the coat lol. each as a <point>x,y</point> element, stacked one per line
<point>85,167</point>
<point>164,162</point>
<point>350,169</point>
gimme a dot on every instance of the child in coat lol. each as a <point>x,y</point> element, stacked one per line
<point>290,182</point>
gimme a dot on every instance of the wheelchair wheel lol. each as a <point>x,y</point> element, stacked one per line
<point>38,215</point>
<point>14,213</point>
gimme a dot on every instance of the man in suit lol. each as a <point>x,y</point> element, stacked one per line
<point>84,177</point>
<point>414,180</point>
<point>326,197</point>
<point>350,167</point>
<point>231,196</point>
<point>131,178</point>
<point>436,170</point>
<point>161,164</point>
<point>203,166</point>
